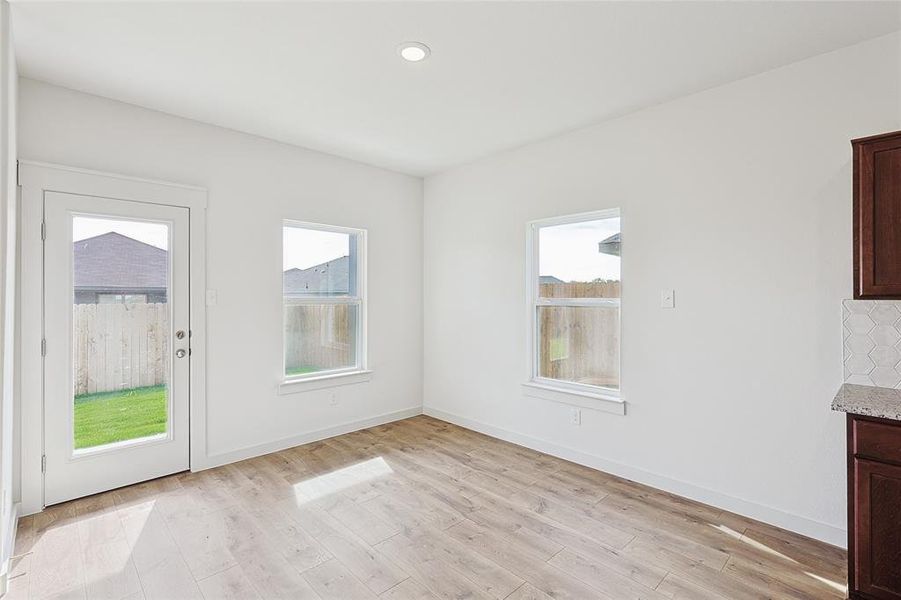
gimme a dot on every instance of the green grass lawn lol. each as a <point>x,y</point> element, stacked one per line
<point>108,417</point>
<point>291,371</point>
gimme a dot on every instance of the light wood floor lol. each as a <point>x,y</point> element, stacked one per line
<point>415,509</point>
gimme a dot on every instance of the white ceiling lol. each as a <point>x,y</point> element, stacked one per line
<point>326,75</point>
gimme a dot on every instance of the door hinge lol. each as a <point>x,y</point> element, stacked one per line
<point>43,346</point>
<point>43,230</point>
<point>43,463</point>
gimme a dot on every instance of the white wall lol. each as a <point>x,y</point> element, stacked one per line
<point>8,79</point>
<point>253,184</point>
<point>739,198</point>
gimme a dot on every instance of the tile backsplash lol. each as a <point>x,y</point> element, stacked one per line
<point>871,338</point>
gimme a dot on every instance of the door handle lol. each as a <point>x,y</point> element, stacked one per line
<point>180,353</point>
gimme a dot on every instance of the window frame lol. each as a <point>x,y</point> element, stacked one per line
<point>359,300</point>
<point>534,302</point>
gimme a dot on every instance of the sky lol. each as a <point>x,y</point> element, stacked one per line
<point>155,234</point>
<point>304,248</point>
<point>570,252</point>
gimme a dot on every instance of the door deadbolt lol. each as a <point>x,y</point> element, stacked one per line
<point>180,334</point>
<point>180,353</point>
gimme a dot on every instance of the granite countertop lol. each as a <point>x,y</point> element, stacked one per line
<point>869,401</point>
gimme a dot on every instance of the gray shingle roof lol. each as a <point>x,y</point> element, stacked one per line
<point>611,245</point>
<point>112,260</point>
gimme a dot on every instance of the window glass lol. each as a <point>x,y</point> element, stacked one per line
<point>579,260</point>
<point>322,301</point>
<point>319,263</point>
<point>576,301</point>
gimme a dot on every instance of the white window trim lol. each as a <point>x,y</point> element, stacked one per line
<point>576,394</point>
<point>358,373</point>
<point>555,393</point>
<point>323,380</point>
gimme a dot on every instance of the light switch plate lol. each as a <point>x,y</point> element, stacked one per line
<point>212,297</point>
<point>668,299</point>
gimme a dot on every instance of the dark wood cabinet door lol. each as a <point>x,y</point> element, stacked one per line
<point>877,216</point>
<point>877,523</point>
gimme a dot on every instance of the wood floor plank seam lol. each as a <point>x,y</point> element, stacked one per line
<point>555,554</point>
<point>394,587</point>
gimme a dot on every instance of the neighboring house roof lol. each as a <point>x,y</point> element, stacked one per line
<point>327,279</point>
<point>611,245</point>
<point>549,279</point>
<point>116,261</point>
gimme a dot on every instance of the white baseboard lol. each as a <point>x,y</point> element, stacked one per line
<point>7,547</point>
<point>224,458</point>
<point>815,529</point>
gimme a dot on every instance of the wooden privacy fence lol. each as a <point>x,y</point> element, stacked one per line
<point>123,346</point>
<point>120,346</point>
<point>580,344</point>
<point>581,289</point>
<point>319,336</point>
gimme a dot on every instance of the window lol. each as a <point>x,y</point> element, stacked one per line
<point>575,302</point>
<point>323,294</point>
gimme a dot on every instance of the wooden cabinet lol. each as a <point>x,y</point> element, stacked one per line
<point>874,508</point>
<point>877,216</point>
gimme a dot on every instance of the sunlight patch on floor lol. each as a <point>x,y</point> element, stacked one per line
<point>833,584</point>
<point>342,479</point>
<point>728,531</point>
<point>112,559</point>
<point>753,543</point>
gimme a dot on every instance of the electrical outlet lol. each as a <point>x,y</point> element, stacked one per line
<point>575,416</point>
<point>333,399</point>
<point>668,299</point>
<point>212,297</point>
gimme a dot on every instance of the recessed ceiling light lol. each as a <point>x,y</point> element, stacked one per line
<point>413,51</point>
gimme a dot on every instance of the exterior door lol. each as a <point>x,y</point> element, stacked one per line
<point>116,354</point>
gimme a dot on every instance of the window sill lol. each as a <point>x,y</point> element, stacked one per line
<point>590,400</point>
<point>319,382</point>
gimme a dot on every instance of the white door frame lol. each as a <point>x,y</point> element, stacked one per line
<point>35,178</point>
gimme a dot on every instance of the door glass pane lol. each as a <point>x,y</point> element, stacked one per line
<point>120,319</point>
<point>579,344</point>
<point>319,337</point>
